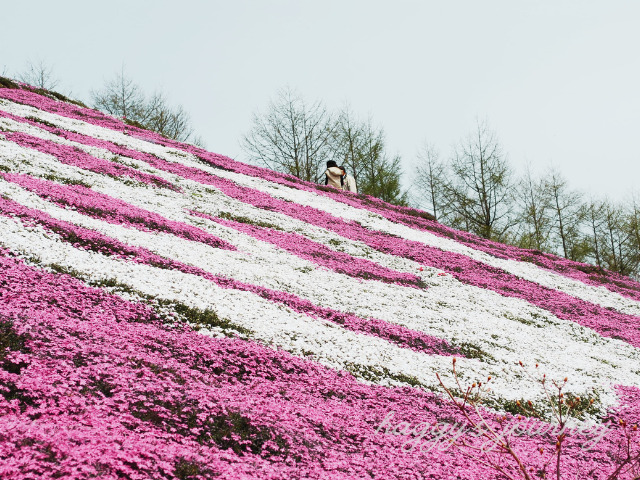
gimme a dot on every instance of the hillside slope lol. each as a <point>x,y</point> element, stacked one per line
<point>167,312</point>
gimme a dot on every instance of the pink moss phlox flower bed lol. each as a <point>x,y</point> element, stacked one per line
<point>93,386</point>
<point>317,253</point>
<point>606,322</point>
<point>629,408</point>
<point>89,240</point>
<point>583,272</point>
<point>587,274</point>
<point>462,267</point>
<point>96,386</point>
<point>76,157</point>
<point>112,210</point>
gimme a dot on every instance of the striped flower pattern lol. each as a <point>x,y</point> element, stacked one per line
<point>168,312</point>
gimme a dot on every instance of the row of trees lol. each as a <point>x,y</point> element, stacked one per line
<point>39,74</point>
<point>477,190</point>
<point>296,137</point>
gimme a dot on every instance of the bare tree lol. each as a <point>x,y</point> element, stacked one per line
<point>122,97</point>
<point>534,205</point>
<point>39,74</point>
<point>634,219</point>
<point>614,234</point>
<point>292,136</point>
<point>633,227</point>
<point>349,142</point>
<point>171,122</point>
<point>595,211</point>
<point>357,144</point>
<point>620,251</point>
<point>430,180</point>
<point>569,214</point>
<point>481,189</point>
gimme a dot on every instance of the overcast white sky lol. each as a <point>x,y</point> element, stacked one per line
<point>557,80</point>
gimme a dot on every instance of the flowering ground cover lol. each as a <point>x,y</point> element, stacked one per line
<point>421,220</point>
<point>166,312</point>
<point>318,253</point>
<point>96,385</point>
<point>521,269</point>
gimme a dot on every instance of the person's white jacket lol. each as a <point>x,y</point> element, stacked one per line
<point>350,184</point>
<point>333,176</point>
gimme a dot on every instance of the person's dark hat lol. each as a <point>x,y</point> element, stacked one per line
<point>331,163</point>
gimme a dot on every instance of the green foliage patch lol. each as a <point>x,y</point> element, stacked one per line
<point>249,221</point>
<point>8,83</point>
